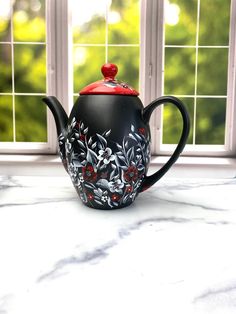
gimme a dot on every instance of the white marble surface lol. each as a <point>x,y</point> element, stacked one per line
<point>172,251</point>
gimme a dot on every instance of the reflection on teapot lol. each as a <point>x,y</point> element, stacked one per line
<point>105,143</point>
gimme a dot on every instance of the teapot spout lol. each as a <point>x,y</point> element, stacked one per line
<point>61,120</point>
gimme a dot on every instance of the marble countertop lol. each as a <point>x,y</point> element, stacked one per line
<point>172,251</point>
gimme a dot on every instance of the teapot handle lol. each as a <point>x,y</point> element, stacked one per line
<point>150,180</point>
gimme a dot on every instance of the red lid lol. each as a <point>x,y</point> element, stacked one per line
<point>109,85</point>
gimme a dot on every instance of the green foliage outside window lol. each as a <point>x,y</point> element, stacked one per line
<point>29,50</point>
<point>89,54</point>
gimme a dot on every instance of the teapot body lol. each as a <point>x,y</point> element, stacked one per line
<point>106,149</point>
<point>105,143</point>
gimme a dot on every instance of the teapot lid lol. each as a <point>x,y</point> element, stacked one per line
<point>109,85</point>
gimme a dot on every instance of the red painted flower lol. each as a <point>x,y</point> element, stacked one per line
<point>90,196</point>
<point>89,174</point>
<point>141,131</point>
<point>129,189</point>
<point>115,197</point>
<point>131,174</point>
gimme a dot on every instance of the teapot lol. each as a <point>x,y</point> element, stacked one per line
<point>105,143</point>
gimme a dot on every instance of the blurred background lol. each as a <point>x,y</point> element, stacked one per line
<point>195,68</point>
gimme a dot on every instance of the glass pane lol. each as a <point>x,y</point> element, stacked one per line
<point>123,22</point>
<point>179,71</point>
<point>127,60</point>
<point>214,22</point>
<point>180,22</point>
<point>210,123</point>
<point>173,122</point>
<point>212,71</point>
<point>6,120</point>
<point>87,65</point>
<point>31,119</point>
<point>5,68</point>
<point>89,21</point>
<point>5,24</point>
<point>30,68</point>
<point>29,20</point>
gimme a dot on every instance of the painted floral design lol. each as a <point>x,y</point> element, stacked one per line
<point>89,173</point>
<point>105,155</point>
<point>131,174</point>
<point>105,174</point>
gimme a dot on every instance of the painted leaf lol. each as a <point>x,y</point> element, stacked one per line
<point>109,202</point>
<point>85,131</point>
<point>131,136</point>
<point>81,144</point>
<point>94,145</point>
<point>132,128</point>
<point>121,157</point>
<point>138,137</point>
<point>103,167</point>
<point>97,193</point>
<point>108,133</point>
<point>112,175</point>
<point>102,140</point>
<point>76,163</point>
<point>91,156</point>
<point>103,183</point>
<point>88,186</point>
<point>130,153</point>
<point>98,202</point>
<point>117,161</point>
<point>125,198</point>
<point>76,135</point>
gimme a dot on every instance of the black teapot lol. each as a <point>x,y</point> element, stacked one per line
<point>105,143</point>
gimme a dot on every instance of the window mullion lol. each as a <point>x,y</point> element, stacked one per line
<point>152,62</point>
<point>58,60</point>
<point>63,53</point>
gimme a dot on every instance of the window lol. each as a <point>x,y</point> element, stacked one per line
<point>189,54</point>
<point>192,56</point>
<point>23,74</point>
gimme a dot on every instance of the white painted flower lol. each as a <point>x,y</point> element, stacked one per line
<point>102,194</point>
<point>116,186</point>
<point>81,178</point>
<point>106,155</point>
<point>104,198</point>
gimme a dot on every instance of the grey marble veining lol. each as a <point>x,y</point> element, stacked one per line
<point>172,251</point>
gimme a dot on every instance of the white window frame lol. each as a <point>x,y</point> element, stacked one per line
<point>152,80</point>
<point>60,76</point>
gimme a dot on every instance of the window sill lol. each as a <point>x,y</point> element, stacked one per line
<point>50,165</point>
